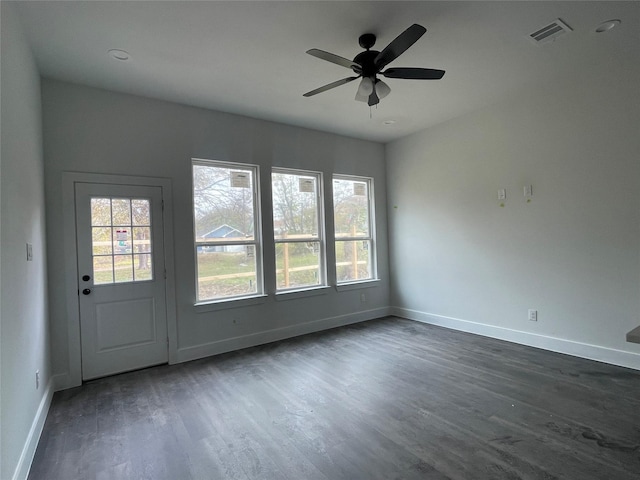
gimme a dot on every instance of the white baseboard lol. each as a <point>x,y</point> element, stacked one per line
<point>236,343</point>
<point>29,449</point>
<point>577,349</point>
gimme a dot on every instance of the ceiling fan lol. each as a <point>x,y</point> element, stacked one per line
<point>368,64</point>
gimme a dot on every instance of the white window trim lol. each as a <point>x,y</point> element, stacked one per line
<point>321,238</point>
<point>360,283</point>
<point>232,301</point>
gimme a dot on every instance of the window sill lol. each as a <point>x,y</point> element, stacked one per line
<point>343,287</point>
<point>307,292</point>
<point>230,303</point>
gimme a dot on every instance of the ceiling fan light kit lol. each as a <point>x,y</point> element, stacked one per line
<point>370,63</point>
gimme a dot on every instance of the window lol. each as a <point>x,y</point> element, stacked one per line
<point>297,229</point>
<point>354,228</point>
<point>121,240</point>
<point>227,238</point>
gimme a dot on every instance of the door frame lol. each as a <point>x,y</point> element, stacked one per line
<point>72,297</point>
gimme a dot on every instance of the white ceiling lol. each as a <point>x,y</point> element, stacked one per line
<point>248,57</point>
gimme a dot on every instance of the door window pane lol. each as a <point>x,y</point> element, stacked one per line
<point>101,211</point>
<point>123,268</point>
<point>142,267</point>
<point>141,239</point>
<point>101,237</point>
<point>121,211</point>
<point>121,240</point>
<point>102,270</point>
<point>140,211</point>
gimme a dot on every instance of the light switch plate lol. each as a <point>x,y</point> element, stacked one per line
<point>29,252</point>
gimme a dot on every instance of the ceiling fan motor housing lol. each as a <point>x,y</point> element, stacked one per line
<point>367,61</point>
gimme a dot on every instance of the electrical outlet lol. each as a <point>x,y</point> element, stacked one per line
<point>533,315</point>
<point>363,298</point>
<point>29,252</point>
<point>502,194</point>
<point>37,379</point>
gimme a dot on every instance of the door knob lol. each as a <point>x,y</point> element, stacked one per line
<point>86,291</point>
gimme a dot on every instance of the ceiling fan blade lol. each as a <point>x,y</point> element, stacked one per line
<point>399,45</point>
<point>413,73</point>
<point>330,57</point>
<point>329,86</point>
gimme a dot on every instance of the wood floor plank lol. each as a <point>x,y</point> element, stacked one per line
<point>385,399</point>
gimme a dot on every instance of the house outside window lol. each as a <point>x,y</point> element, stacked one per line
<point>228,247</point>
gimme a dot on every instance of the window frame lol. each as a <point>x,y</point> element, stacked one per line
<point>371,238</point>
<point>320,237</point>
<point>256,242</point>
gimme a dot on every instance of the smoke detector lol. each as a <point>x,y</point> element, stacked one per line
<point>550,32</point>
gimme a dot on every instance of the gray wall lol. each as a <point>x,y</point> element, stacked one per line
<point>573,253</point>
<point>91,130</point>
<point>24,345</point>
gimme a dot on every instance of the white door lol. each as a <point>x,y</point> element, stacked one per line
<point>121,278</point>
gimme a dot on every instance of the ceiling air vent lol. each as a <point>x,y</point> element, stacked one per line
<point>550,32</point>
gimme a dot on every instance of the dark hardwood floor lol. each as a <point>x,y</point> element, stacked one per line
<point>385,399</point>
